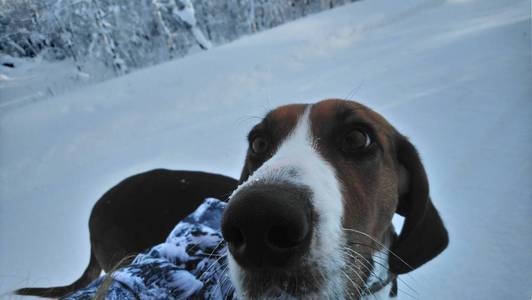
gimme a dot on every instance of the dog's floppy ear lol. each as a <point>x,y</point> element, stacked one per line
<point>423,236</point>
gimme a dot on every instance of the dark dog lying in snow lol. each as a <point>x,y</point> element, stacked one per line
<point>138,213</point>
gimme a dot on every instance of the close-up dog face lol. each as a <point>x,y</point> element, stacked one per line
<point>312,215</point>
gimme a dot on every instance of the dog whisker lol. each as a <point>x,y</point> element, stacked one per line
<point>399,289</point>
<point>385,266</point>
<point>225,280</point>
<point>353,283</point>
<point>354,268</point>
<point>380,244</point>
<point>362,256</point>
<point>211,265</point>
<point>360,287</point>
<point>214,250</point>
<point>248,118</point>
<point>367,267</point>
<point>377,276</point>
<point>375,259</point>
<point>354,91</point>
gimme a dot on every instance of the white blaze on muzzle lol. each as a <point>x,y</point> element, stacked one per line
<point>297,161</point>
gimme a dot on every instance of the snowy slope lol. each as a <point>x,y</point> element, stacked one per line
<point>453,75</point>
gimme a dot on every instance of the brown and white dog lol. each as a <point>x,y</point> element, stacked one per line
<point>311,218</point>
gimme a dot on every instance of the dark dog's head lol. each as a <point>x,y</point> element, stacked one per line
<point>318,191</point>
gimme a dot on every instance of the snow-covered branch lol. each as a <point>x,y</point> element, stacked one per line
<point>132,34</point>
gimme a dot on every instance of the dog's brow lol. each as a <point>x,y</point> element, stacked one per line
<point>257,129</point>
<point>348,117</point>
<point>346,114</point>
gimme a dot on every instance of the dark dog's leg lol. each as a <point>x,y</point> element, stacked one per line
<point>92,272</point>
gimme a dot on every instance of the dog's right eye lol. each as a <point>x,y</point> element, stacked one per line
<point>355,141</point>
<point>259,145</point>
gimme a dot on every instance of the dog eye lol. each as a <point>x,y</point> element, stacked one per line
<point>355,140</point>
<point>259,145</point>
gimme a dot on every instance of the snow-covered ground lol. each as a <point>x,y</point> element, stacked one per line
<point>454,75</point>
<point>35,79</point>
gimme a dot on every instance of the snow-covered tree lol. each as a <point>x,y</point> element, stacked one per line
<point>131,34</point>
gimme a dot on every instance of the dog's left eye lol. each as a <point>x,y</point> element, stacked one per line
<point>356,140</point>
<point>259,145</point>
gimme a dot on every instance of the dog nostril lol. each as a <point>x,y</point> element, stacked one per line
<point>268,226</point>
<point>234,237</point>
<point>280,238</point>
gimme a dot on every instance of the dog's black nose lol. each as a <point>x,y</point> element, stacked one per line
<point>268,226</point>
